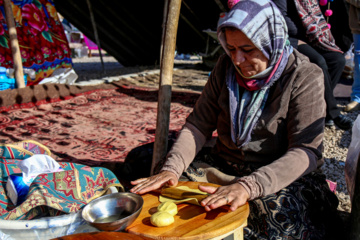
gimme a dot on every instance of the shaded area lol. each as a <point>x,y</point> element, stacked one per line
<point>131,30</point>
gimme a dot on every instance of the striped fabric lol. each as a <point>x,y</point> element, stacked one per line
<point>316,27</point>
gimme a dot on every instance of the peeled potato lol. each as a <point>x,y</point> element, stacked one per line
<point>169,207</point>
<point>162,219</point>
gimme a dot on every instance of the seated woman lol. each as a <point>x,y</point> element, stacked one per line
<point>266,102</point>
<point>309,34</point>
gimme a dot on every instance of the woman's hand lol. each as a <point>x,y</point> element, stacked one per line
<point>144,185</point>
<point>234,194</point>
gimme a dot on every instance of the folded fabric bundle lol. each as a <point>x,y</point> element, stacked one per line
<point>50,194</point>
<point>17,186</point>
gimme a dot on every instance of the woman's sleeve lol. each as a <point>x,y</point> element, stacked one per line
<point>184,150</point>
<point>355,3</point>
<point>305,127</point>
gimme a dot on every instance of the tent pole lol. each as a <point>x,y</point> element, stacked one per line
<point>166,70</point>
<point>96,34</point>
<point>163,25</point>
<point>14,43</point>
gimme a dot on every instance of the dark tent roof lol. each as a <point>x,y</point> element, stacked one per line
<point>131,30</point>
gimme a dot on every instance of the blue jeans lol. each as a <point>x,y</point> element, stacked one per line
<point>355,95</point>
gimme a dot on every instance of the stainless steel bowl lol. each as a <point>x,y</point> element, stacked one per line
<point>113,212</point>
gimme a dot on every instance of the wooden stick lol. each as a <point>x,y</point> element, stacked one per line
<point>14,43</point>
<point>166,71</point>
<point>221,6</point>
<point>163,25</point>
<point>96,34</point>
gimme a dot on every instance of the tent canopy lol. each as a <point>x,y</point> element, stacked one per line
<point>131,30</point>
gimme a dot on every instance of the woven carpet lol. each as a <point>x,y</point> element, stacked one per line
<point>93,127</point>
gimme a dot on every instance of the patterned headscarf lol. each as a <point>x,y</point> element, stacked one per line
<point>262,22</point>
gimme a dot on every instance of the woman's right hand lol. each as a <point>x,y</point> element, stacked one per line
<point>144,185</point>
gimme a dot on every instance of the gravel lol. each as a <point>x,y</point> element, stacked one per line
<point>191,75</point>
<point>336,143</point>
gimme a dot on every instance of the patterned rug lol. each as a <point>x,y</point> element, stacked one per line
<point>94,127</point>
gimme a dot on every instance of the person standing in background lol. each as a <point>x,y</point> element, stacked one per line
<point>310,35</point>
<point>354,18</point>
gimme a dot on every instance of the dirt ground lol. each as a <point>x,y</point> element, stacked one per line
<point>188,75</point>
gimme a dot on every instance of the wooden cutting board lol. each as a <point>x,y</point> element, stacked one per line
<point>191,222</point>
<point>102,236</point>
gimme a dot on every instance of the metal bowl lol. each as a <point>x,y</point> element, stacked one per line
<point>113,212</point>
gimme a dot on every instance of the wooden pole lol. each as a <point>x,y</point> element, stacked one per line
<point>166,71</point>
<point>14,43</point>
<point>96,34</point>
<point>165,14</point>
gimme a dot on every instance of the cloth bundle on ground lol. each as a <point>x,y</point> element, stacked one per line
<point>50,194</point>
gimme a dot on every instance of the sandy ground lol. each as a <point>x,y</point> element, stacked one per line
<point>190,74</point>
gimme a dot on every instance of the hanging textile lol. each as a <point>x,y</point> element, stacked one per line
<point>42,40</point>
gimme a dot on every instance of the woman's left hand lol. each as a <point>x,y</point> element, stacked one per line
<point>234,194</point>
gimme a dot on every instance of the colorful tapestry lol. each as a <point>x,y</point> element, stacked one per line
<point>94,127</point>
<point>41,36</point>
<point>50,194</point>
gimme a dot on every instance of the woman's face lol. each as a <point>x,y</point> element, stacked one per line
<point>248,58</point>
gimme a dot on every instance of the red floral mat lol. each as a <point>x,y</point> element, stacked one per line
<point>93,127</point>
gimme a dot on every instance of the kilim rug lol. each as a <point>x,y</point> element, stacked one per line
<point>94,127</point>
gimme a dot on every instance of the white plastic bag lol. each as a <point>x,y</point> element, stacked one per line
<point>4,236</point>
<point>17,186</point>
<point>352,158</point>
<point>349,58</point>
<point>62,76</point>
<point>10,72</point>
<point>37,164</point>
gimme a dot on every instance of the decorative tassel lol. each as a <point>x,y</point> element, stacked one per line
<point>323,2</point>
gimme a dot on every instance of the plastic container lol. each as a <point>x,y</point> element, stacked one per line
<point>47,227</point>
<point>6,82</point>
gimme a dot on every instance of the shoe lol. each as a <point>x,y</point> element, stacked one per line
<point>343,122</point>
<point>353,106</point>
<point>329,123</point>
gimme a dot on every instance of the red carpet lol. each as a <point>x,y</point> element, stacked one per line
<point>93,127</point>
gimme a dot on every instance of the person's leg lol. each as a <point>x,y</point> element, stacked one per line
<point>332,73</point>
<point>335,62</point>
<point>306,209</point>
<point>355,94</point>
